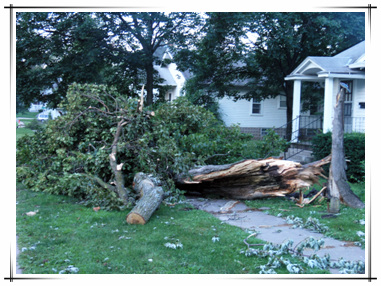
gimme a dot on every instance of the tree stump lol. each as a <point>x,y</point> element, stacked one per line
<point>338,186</point>
<point>151,196</point>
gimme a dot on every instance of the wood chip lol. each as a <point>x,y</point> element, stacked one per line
<point>228,206</point>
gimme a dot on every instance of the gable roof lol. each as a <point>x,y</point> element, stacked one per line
<point>349,63</point>
<point>161,54</point>
<point>166,75</point>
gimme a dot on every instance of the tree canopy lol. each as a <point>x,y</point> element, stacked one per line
<point>254,51</point>
<point>57,49</point>
<point>54,50</point>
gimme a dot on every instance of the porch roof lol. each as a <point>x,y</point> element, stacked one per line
<point>347,64</point>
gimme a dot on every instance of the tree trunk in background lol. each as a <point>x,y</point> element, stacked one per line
<point>149,85</point>
<point>338,186</point>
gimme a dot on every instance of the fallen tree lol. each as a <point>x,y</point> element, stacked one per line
<point>251,179</point>
<point>247,179</point>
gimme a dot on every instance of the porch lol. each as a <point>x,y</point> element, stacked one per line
<point>305,128</point>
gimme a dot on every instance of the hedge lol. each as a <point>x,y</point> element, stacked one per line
<point>354,148</point>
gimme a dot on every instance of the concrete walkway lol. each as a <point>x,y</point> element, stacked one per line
<point>275,229</point>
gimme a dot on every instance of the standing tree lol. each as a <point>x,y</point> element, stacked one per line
<point>141,34</point>
<point>57,49</point>
<point>216,63</point>
<point>54,50</point>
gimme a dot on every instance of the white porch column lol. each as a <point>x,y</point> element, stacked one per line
<point>328,105</point>
<point>296,109</point>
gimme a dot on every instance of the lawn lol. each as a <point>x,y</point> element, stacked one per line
<point>27,114</point>
<point>65,236</point>
<point>20,132</point>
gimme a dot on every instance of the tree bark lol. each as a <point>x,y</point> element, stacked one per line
<point>149,73</point>
<point>122,191</point>
<point>338,186</point>
<point>251,179</point>
<point>151,196</point>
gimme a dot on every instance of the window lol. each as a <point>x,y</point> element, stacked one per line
<point>169,96</point>
<point>264,131</point>
<point>282,101</point>
<point>256,107</point>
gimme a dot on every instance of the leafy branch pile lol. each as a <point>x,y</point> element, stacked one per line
<point>299,262</point>
<point>94,150</point>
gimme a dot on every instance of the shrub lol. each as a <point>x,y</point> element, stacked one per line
<point>354,149</point>
<point>34,125</point>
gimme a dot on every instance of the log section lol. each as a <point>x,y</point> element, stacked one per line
<point>151,195</point>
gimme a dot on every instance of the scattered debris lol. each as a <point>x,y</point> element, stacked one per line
<point>32,213</point>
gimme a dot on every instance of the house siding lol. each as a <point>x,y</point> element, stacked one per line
<point>359,96</point>
<point>239,112</point>
<point>179,79</point>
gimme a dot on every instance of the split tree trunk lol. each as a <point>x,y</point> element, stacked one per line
<point>122,191</point>
<point>251,179</point>
<point>151,195</point>
<point>338,186</point>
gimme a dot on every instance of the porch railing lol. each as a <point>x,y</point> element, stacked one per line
<point>354,124</point>
<point>306,127</point>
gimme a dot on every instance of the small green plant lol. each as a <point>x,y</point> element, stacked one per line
<point>34,125</point>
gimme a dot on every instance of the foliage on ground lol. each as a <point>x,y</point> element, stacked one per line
<point>180,135</point>
<point>66,237</point>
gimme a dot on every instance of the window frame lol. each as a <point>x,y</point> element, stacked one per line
<point>280,100</point>
<point>259,103</point>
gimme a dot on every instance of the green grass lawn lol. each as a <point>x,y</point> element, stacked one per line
<point>64,232</point>
<point>20,132</point>
<point>27,114</point>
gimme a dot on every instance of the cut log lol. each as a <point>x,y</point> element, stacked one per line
<point>151,195</point>
<point>251,179</point>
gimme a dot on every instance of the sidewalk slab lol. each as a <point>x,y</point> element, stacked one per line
<point>275,229</point>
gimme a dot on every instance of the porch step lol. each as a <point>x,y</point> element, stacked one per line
<point>298,155</point>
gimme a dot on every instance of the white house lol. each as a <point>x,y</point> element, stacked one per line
<point>348,67</point>
<point>174,79</point>
<point>256,117</point>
